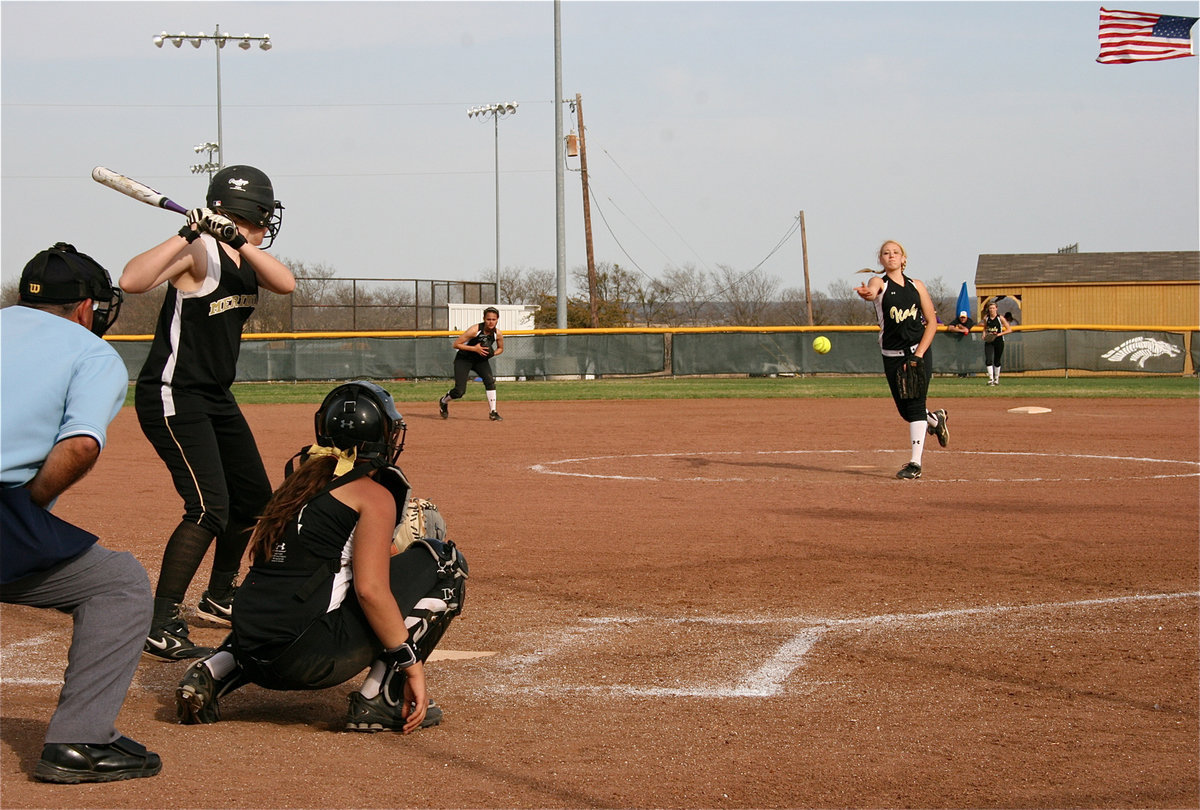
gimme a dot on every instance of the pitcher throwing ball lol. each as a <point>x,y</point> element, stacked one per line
<point>475,348</point>
<point>907,324</point>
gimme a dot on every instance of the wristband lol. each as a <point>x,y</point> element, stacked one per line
<point>401,657</point>
<point>237,241</point>
<point>187,233</point>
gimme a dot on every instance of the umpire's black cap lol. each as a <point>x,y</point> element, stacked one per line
<point>62,275</point>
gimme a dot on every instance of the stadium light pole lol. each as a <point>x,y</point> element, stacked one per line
<point>496,111</point>
<point>243,41</point>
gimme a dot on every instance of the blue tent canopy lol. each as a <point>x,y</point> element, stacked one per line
<point>963,307</point>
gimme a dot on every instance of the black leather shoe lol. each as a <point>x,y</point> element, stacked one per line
<point>71,763</point>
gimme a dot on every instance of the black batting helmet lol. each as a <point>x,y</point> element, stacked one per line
<point>246,192</point>
<point>62,275</point>
<point>363,416</point>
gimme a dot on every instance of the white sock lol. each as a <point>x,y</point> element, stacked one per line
<point>991,373</point>
<point>491,398</point>
<point>221,664</point>
<point>996,374</point>
<point>916,434</point>
<point>374,681</point>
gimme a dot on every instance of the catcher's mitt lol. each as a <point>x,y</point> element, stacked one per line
<point>412,524</point>
<point>910,378</point>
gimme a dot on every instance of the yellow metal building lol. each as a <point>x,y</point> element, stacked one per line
<point>1150,289</point>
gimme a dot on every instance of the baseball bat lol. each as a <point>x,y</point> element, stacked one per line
<point>143,193</point>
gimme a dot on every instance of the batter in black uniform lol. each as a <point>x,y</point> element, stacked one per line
<point>995,327</point>
<point>329,592</point>
<point>907,324</point>
<point>214,268</point>
<point>474,350</point>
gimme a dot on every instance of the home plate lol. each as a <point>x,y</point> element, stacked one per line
<point>1029,409</point>
<point>453,655</point>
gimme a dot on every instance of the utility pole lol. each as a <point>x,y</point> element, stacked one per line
<point>804,252</point>
<point>587,215</point>
<point>560,216</point>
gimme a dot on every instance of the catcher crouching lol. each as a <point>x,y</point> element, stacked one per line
<point>348,572</point>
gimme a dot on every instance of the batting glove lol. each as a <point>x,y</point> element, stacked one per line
<point>221,227</point>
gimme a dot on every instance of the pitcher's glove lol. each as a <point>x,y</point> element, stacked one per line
<point>910,378</point>
<point>988,337</point>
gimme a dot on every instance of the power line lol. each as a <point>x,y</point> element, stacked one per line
<point>655,207</point>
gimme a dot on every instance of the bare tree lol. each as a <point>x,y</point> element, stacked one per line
<point>944,299</point>
<point>748,295</point>
<point>319,302</point>
<point>691,291</point>
<point>792,309</point>
<point>651,302</point>
<point>525,286</point>
<point>842,305</point>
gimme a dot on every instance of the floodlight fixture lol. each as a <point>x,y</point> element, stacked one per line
<point>220,39</point>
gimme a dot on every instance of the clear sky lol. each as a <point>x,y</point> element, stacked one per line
<point>958,128</point>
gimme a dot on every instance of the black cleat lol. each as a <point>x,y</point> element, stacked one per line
<point>374,714</point>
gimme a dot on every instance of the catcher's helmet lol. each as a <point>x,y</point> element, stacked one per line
<point>246,192</point>
<point>363,416</point>
<point>62,275</point>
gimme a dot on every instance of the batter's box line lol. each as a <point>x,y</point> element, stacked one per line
<point>768,679</point>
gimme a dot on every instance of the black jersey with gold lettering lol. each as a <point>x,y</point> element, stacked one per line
<point>193,358</point>
<point>898,309</point>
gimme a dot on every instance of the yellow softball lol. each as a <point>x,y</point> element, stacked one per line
<point>822,345</point>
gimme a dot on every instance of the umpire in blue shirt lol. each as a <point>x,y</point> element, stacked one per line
<point>60,387</point>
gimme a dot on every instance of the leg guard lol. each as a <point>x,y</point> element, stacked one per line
<point>429,618</point>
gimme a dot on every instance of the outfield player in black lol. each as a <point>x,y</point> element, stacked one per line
<point>330,592</point>
<point>474,350</point>
<point>907,324</point>
<point>214,267</point>
<point>995,327</point>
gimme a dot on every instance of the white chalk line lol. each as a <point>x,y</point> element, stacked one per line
<point>553,467</point>
<point>770,677</point>
<point>32,643</point>
<point>767,680</point>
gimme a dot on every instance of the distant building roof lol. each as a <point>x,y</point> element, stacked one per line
<point>1087,268</point>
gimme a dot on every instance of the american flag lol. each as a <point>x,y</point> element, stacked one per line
<point>1135,36</point>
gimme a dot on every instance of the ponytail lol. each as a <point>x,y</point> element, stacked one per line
<point>299,488</point>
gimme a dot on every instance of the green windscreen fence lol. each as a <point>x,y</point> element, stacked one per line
<point>758,353</point>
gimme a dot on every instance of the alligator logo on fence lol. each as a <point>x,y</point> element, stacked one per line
<point>1139,350</point>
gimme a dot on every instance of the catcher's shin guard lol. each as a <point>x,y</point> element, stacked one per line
<point>429,619</point>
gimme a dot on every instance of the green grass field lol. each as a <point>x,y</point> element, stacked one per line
<point>739,388</point>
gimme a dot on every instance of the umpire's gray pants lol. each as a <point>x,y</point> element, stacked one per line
<point>108,595</point>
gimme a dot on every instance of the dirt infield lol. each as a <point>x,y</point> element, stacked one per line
<point>721,603</point>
